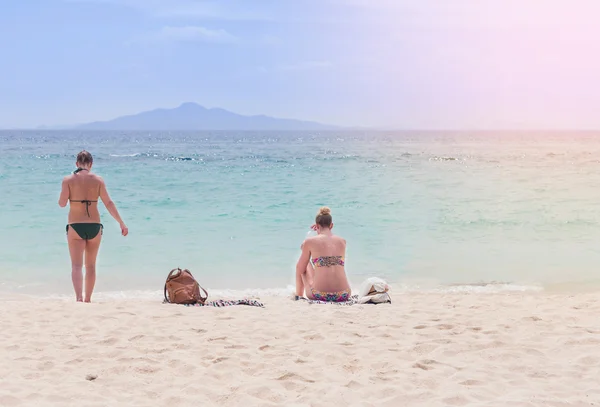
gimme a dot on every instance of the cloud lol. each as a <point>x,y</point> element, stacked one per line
<point>299,67</point>
<point>379,4</point>
<point>196,34</point>
<point>211,10</point>
<point>187,34</point>
<point>199,9</point>
<point>270,40</point>
<point>305,66</point>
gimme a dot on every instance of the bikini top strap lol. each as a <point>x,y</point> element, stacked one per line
<point>87,203</point>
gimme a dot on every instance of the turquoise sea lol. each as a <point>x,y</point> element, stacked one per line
<point>424,210</point>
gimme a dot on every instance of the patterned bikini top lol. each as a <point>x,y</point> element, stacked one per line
<point>328,261</point>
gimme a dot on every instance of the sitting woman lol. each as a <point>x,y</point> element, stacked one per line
<point>325,279</point>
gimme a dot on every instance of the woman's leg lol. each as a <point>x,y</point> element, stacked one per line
<point>308,278</point>
<point>91,252</point>
<point>76,249</point>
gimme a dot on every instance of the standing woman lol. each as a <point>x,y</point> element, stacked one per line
<point>84,230</point>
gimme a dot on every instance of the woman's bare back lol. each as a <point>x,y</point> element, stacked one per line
<point>86,187</point>
<point>329,274</point>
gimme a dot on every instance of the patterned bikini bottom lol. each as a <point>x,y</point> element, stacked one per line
<point>339,296</point>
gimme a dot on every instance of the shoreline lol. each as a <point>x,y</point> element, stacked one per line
<point>397,290</point>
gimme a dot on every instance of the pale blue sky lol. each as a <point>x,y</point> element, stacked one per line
<point>400,63</point>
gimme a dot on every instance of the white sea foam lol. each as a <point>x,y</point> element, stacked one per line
<point>396,290</point>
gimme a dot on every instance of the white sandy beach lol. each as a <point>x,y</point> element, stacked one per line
<point>517,349</point>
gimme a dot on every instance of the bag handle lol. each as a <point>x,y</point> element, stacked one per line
<point>168,277</point>
<point>202,299</point>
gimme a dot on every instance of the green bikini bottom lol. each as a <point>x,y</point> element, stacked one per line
<point>86,231</point>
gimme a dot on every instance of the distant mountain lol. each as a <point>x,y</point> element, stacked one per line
<point>191,116</point>
<point>57,127</point>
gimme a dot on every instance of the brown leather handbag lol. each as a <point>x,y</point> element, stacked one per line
<point>182,288</point>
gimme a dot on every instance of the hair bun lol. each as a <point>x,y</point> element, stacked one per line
<point>324,211</point>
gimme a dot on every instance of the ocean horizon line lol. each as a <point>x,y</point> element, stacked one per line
<point>340,130</point>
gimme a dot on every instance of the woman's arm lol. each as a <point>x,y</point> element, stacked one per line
<point>111,207</point>
<point>64,193</point>
<point>301,269</point>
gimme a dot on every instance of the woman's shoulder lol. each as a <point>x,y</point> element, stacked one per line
<point>311,239</point>
<point>94,178</point>
<point>339,238</point>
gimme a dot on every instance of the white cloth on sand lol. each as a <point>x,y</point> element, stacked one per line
<point>374,290</point>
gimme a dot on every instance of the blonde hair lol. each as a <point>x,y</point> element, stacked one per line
<point>324,218</point>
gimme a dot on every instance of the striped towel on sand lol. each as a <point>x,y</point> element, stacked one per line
<point>353,300</point>
<point>226,303</point>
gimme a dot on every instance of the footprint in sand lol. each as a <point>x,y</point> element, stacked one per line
<point>45,366</point>
<point>135,338</point>
<point>424,348</point>
<point>109,341</point>
<point>353,385</point>
<point>426,364</point>
<point>471,383</point>
<point>146,369</point>
<point>235,347</point>
<point>30,376</point>
<point>291,386</point>
<point>176,363</point>
<point>313,337</point>
<point>588,361</point>
<point>456,401</point>
<point>422,366</point>
<point>60,400</point>
<point>351,368</point>
<point>294,376</point>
